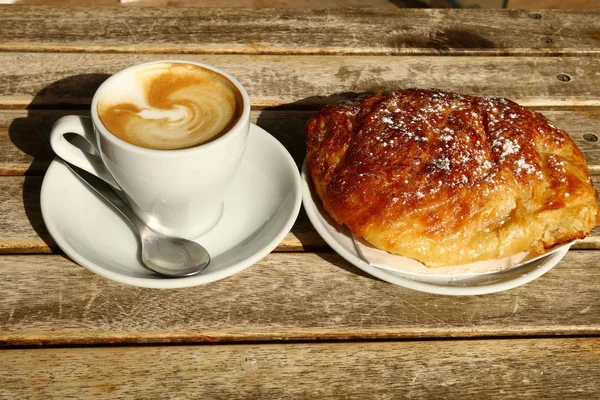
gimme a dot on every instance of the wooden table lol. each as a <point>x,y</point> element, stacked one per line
<point>302,322</point>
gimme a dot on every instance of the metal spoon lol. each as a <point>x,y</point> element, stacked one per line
<point>165,255</point>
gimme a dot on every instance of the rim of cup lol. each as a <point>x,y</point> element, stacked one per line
<point>245,116</point>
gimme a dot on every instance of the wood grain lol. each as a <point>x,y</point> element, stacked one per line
<point>257,4</point>
<point>48,299</point>
<point>38,80</point>
<point>262,4</point>
<point>519,369</point>
<point>319,4</point>
<point>23,229</point>
<point>23,152</point>
<point>348,31</point>
<point>291,62</point>
<point>538,4</point>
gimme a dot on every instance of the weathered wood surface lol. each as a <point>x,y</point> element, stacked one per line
<point>23,229</point>
<point>291,63</point>
<point>23,151</point>
<point>47,299</point>
<point>37,80</point>
<point>257,4</point>
<point>519,369</point>
<point>320,4</point>
<point>359,31</point>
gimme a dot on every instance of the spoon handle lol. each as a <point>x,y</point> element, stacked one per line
<point>111,194</point>
<point>108,193</point>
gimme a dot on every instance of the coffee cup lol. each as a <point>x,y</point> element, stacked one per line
<point>170,134</point>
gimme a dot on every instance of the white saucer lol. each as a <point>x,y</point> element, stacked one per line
<point>456,281</point>
<point>259,210</point>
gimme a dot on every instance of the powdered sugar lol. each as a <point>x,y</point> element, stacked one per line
<point>387,120</point>
<point>442,163</point>
<point>507,147</point>
<point>523,167</point>
<point>473,142</point>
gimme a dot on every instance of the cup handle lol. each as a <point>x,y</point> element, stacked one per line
<point>83,127</point>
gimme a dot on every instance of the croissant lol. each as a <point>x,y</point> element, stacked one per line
<point>449,179</point>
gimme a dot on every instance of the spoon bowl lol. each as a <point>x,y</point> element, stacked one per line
<point>172,256</point>
<point>165,255</point>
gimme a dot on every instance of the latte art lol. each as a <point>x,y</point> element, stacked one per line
<point>171,106</point>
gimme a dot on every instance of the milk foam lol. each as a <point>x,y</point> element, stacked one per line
<point>176,115</point>
<point>169,106</point>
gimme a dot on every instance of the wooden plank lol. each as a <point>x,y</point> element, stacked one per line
<point>538,4</point>
<point>258,4</point>
<point>281,31</point>
<point>320,4</point>
<point>286,296</point>
<point>584,128</point>
<point>516,369</point>
<point>23,229</point>
<point>38,80</point>
<point>22,150</point>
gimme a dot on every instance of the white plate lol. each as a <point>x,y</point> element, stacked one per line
<point>259,210</point>
<point>473,280</point>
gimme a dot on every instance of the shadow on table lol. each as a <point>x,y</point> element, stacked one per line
<point>340,262</point>
<point>72,96</point>
<point>286,122</point>
<point>29,133</point>
<point>410,4</point>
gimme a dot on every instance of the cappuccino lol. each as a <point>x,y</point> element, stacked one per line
<point>169,106</point>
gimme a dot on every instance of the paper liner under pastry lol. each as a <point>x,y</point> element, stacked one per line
<point>384,260</point>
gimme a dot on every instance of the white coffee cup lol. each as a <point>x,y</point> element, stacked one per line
<point>175,192</point>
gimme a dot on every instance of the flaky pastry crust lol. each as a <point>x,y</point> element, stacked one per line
<point>449,179</point>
